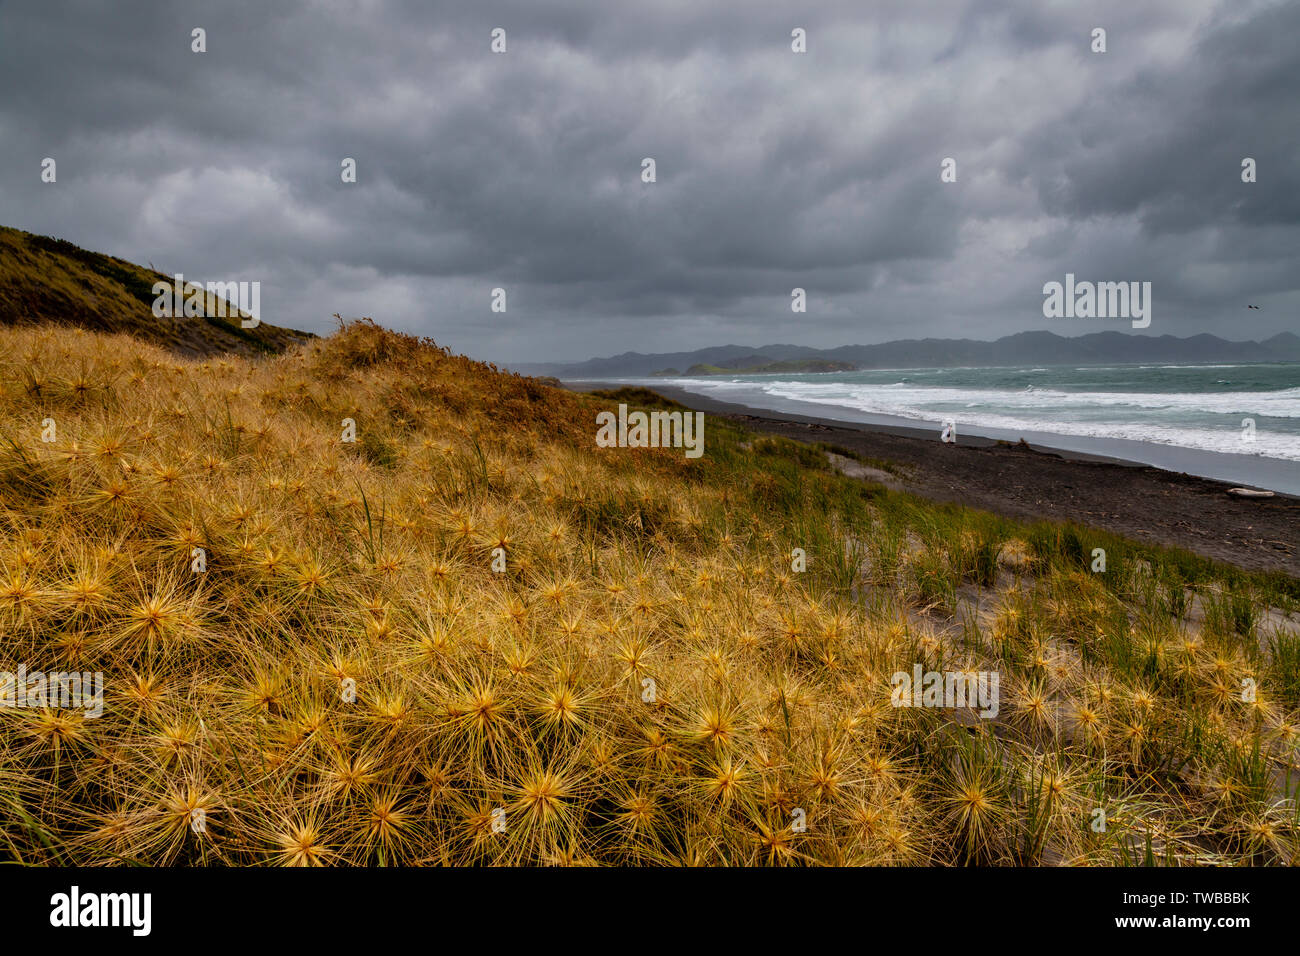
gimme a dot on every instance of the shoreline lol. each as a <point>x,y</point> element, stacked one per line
<point>1035,481</point>
<point>1279,475</point>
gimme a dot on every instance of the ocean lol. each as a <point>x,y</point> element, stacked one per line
<point>1235,422</point>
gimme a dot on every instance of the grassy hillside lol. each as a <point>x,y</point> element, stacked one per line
<point>45,280</point>
<point>648,678</point>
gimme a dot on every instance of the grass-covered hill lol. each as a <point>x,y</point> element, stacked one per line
<point>45,280</point>
<point>471,636</point>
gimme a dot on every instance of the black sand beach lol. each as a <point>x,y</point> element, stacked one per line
<point>1029,481</point>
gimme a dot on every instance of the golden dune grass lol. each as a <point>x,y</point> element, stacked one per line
<point>649,681</point>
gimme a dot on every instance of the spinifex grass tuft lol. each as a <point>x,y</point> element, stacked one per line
<point>473,637</point>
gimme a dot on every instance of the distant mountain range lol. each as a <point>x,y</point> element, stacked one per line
<point>1023,348</point>
<point>762,365</point>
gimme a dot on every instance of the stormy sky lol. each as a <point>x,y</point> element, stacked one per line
<point>523,170</point>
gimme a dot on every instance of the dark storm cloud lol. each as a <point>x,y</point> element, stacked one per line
<point>775,170</point>
<point>1172,157</point>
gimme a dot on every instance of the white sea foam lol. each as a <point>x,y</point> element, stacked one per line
<point>922,401</point>
<point>1210,421</point>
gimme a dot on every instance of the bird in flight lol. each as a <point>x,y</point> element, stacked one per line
<point>1252,307</point>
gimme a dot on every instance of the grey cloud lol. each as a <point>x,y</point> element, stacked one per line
<point>775,170</point>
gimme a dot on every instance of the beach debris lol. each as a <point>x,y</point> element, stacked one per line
<point>1249,493</point>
